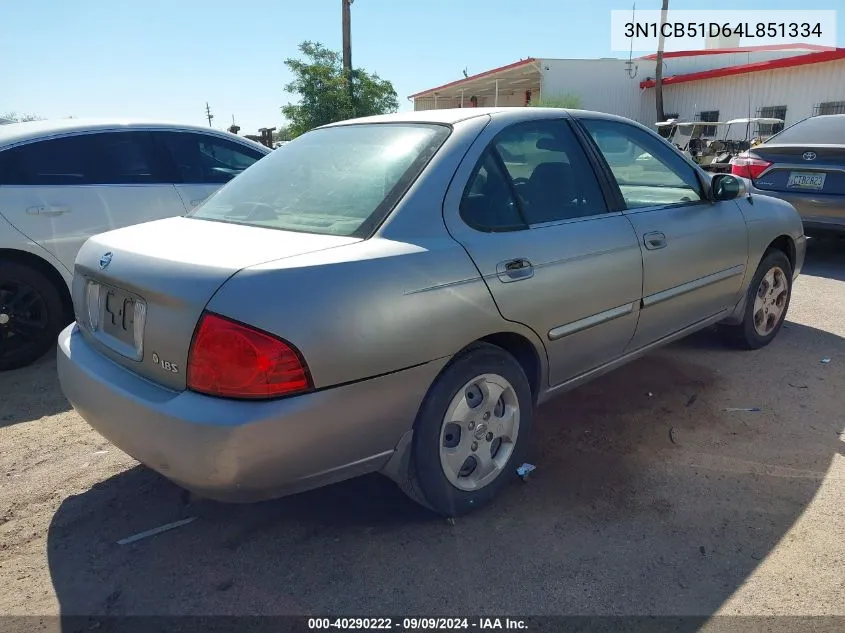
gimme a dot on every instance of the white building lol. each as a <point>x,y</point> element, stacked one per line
<point>789,82</point>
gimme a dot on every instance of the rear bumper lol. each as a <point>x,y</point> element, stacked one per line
<point>239,450</point>
<point>817,211</point>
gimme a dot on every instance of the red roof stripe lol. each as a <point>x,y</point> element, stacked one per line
<point>743,49</point>
<point>773,64</point>
<point>522,62</point>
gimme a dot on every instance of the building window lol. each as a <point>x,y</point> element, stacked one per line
<point>830,107</point>
<point>771,112</point>
<point>708,115</point>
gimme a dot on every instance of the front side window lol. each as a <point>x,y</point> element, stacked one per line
<point>340,180</point>
<point>85,159</point>
<point>648,171</point>
<point>205,159</point>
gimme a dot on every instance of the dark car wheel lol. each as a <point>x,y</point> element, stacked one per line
<point>766,304</point>
<point>31,315</point>
<point>471,431</point>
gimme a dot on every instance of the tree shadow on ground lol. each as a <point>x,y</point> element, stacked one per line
<point>645,501</point>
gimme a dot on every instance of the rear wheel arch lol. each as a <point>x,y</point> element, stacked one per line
<point>525,353</point>
<point>45,268</point>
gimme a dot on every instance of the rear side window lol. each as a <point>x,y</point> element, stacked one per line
<point>532,173</point>
<point>488,203</point>
<point>205,159</point>
<point>86,159</point>
<point>817,130</point>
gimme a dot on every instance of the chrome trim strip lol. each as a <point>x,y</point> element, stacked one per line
<point>806,166</point>
<point>690,286</point>
<point>590,321</point>
<point>447,284</point>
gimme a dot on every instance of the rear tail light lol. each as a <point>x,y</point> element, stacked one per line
<point>748,165</point>
<point>232,360</point>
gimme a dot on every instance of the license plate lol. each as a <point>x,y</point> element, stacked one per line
<point>805,180</point>
<point>122,319</point>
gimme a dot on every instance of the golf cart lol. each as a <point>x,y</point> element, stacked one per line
<point>687,137</point>
<point>731,147</point>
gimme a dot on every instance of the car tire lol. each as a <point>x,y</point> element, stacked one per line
<point>27,296</point>
<point>766,303</point>
<point>492,435</point>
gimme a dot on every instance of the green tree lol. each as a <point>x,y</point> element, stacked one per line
<point>14,116</point>
<point>282,134</point>
<point>321,86</point>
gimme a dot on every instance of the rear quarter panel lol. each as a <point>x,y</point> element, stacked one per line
<point>406,296</point>
<point>370,308</point>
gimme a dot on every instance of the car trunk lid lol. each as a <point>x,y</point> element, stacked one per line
<point>816,169</point>
<point>140,291</point>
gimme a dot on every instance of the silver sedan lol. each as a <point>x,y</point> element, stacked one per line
<point>397,293</point>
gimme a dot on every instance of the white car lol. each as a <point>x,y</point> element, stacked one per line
<point>63,181</point>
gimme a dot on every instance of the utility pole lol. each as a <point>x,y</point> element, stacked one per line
<point>208,114</point>
<point>658,71</point>
<point>347,47</point>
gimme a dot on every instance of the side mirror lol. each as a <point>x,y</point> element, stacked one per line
<point>728,187</point>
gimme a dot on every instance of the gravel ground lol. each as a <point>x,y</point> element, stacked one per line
<point>648,499</point>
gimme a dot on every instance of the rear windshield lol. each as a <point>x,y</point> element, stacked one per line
<point>335,181</point>
<point>818,130</point>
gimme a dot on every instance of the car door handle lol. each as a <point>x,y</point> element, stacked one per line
<point>514,270</point>
<point>47,210</point>
<point>654,241</point>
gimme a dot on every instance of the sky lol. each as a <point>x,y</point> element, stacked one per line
<point>164,59</point>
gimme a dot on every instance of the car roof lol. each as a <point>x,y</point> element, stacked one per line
<point>455,115</point>
<point>16,133</point>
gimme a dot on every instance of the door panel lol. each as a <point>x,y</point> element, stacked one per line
<point>59,192</point>
<point>697,274</point>
<point>88,210</point>
<point>575,274</point>
<point>694,251</point>
<point>583,296</point>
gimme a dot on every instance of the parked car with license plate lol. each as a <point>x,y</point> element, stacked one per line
<point>804,165</point>
<point>397,293</point>
<point>63,181</point>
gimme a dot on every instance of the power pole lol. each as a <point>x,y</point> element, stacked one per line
<point>347,47</point>
<point>208,114</point>
<point>658,71</point>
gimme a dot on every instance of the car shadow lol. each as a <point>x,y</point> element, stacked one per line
<point>645,501</point>
<point>826,257</point>
<point>32,392</point>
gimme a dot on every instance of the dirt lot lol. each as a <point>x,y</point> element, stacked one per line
<point>648,498</point>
